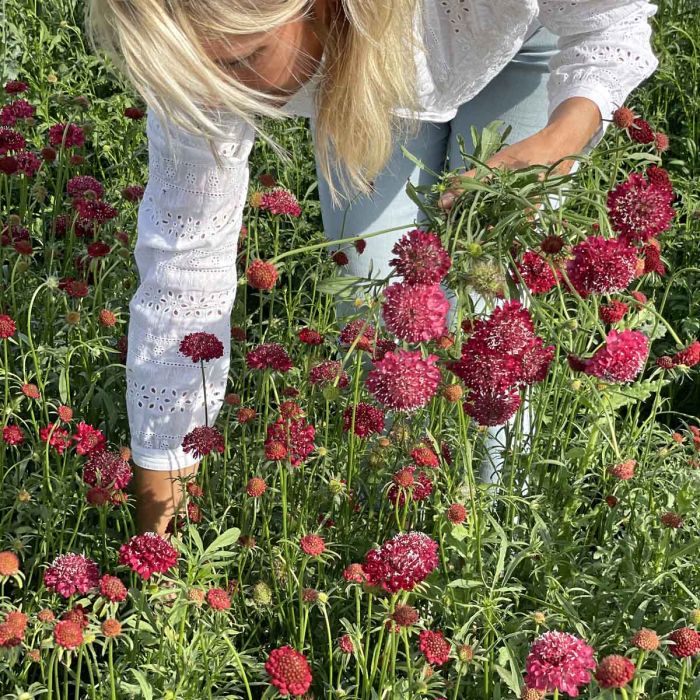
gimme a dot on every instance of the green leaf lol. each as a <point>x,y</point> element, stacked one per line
<point>223,541</point>
<point>336,286</point>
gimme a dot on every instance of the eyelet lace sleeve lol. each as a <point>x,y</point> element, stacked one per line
<point>188,225</point>
<point>604,51</point>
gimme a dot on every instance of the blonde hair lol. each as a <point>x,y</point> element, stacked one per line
<point>368,70</point>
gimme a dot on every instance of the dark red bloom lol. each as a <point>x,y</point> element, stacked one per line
<point>686,642</point>
<point>622,357</point>
<point>640,131</point>
<point>269,356</point>
<point>12,87</point>
<point>133,193</point>
<point>107,469</point>
<point>201,346</point>
<point>297,436</point>
<point>7,326</point>
<point>79,185</point>
<point>202,440</point>
<point>10,140</point>
<point>340,258</point>
<point>327,372</point>
<point>94,210</point>
<point>67,135</point>
<point>652,259</point>
<point>60,438</point>
<point>419,487</point>
<point>614,671</point>
<point>147,554</point>
<point>353,329</point>
<point>421,258</point>
<point>688,357</point>
<point>492,408</point>
<point>601,266</point>
<point>368,419</point>
<point>536,273</point>
<point>613,312</point>
<point>280,200</point>
<point>308,336</point>
<point>134,113</point>
<point>12,435</point>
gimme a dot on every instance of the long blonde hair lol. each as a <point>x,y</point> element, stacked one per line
<point>368,70</point>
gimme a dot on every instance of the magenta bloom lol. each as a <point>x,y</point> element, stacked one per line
<point>107,469</point>
<point>269,356</point>
<point>536,273</point>
<point>559,661</point>
<point>201,346</point>
<point>639,209</point>
<point>147,554</point>
<point>202,440</point>
<point>601,266</point>
<point>415,313</point>
<point>421,259</point>
<point>327,372</point>
<point>621,359</point>
<point>492,407</point>
<point>71,573</point>
<point>402,562</point>
<point>280,201</point>
<point>404,380</point>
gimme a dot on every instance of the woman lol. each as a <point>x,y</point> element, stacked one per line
<point>371,76</point>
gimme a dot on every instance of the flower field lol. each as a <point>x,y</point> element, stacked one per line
<point>340,539</point>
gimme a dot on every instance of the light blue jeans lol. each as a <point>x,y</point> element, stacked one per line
<point>518,96</point>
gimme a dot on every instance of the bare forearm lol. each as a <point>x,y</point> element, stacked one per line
<point>572,124</point>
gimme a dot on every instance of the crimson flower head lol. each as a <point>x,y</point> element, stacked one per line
<point>402,562</point>
<point>80,184</point>
<point>269,356</point>
<point>415,313</point>
<point>536,273</point>
<point>280,200</point>
<point>71,573</point>
<point>7,326</point>
<point>147,554</point>
<point>622,357</point>
<point>404,380</point>
<point>686,642</point>
<point>421,258</point>
<point>108,469</point>
<point>289,671</point>
<point>73,134</point>
<point>296,436</point>
<point>353,329</point>
<point>68,634</point>
<point>327,372</point>
<point>261,275</point>
<point>309,336</point>
<point>690,356</point>
<point>601,266</point>
<point>313,545</point>
<point>559,661</point>
<point>112,588</point>
<point>639,209</point>
<point>88,439</point>
<point>435,647</point>
<point>640,131</point>
<point>201,346</point>
<point>614,671</point>
<point>368,419</point>
<point>202,440</point>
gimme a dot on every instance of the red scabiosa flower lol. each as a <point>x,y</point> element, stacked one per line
<point>71,573</point>
<point>423,456</point>
<point>640,131</point>
<point>68,634</point>
<point>614,671</point>
<point>491,408</point>
<point>202,440</point>
<point>256,487</point>
<point>269,356</point>
<point>660,178</point>
<point>7,326</point>
<point>404,616</point>
<point>622,357</point>
<point>435,647</point>
<point>688,357</point>
<point>67,135</point>
<point>354,573</point>
<point>79,185</point>
<point>645,639</point>
<point>415,313</point>
<point>308,336</point>
<point>353,329</point>
<point>559,661</point>
<point>686,642</point>
<point>218,599</point>
<point>623,117</point>
<point>262,275</point>
<point>280,200</point>
<point>536,273</point>
<point>12,435</point>
<point>652,258</point>
<point>345,644</point>
<point>369,420</point>
<point>601,266</point>
<point>88,439</point>
<point>60,438</point>
<point>134,113</point>
<point>10,140</point>
<point>613,312</point>
<point>402,562</point>
<point>313,545</point>
<point>201,346</point>
<point>340,258</point>
<point>623,471</point>
<point>133,193</point>
<point>672,520</point>
<point>296,435</point>
<point>13,87</point>
<point>289,671</point>
<point>360,246</point>
<point>421,258</point>
<point>108,469</point>
<point>147,554</point>
<point>112,588</point>
<point>327,372</point>
<point>456,513</point>
<point>404,380</point>
<point>419,487</point>
<point>94,210</point>
<point>638,209</point>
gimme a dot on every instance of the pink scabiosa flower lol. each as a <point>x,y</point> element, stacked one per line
<point>327,372</point>
<point>201,346</point>
<point>66,135</point>
<point>559,661</point>
<point>490,408</point>
<point>7,326</point>
<point>88,439</point>
<point>638,209</point>
<point>68,634</point>
<point>203,440</point>
<point>262,275</point>
<point>218,599</point>
<point>622,357</point>
<point>601,266</point>
<point>536,273</point>
<point>457,513</point>
<point>71,573</point>
<point>345,644</point>
<point>147,554</point>
<point>312,545</point>
<point>421,258</point>
<point>112,588</point>
<point>107,469</point>
<point>652,258</point>
<point>12,435</point>
<point>289,671</point>
<point>369,419</point>
<point>404,380</point>
<point>435,647</point>
<point>614,671</point>
<point>354,573</point>
<point>402,562</point>
<point>59,438</point>
<point>423,456</point>
<point>358,327</point>
<point>269,356</point>
<point>415,313</point>
<point>623,471</point>
<point>280,200</point>
<point>686,642</point>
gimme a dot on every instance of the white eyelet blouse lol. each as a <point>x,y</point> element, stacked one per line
<point>191,213</point>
